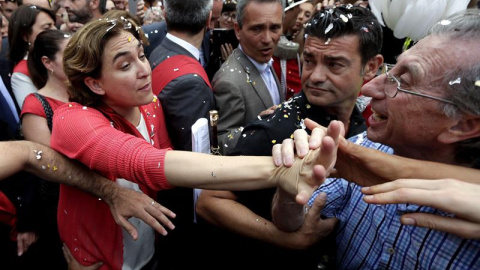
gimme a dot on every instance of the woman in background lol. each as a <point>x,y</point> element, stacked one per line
<point>46,70</point>
<point>25,24</point>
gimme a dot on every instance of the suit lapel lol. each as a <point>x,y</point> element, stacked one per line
<point>254,78</point>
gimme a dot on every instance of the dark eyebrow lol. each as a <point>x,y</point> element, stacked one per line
<point>120,54</point>
<point>337,59</point>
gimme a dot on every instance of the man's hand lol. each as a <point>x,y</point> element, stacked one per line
<point>73,264</point>
<point>314,228</point>
<point>24,240</point>
<point>226,49</point>
<point>125,203</point>
<point>320,161</point>
<point>268,111</point>
<point>453,196</point>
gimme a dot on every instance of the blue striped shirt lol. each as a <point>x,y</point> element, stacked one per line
<point>371,236</point>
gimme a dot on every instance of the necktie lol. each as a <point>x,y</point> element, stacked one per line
<point>271,85</point>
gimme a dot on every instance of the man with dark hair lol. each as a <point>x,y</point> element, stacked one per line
<point>184,90</point>
<point>425,107</point>
<point>338,56</point>
<point>83,11</point>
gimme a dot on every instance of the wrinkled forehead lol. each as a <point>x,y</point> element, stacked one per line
<point>434,55</point>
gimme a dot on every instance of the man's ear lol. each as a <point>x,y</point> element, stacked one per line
<point>464,129</point>
<point>236,27</point>
<point>94,85</point>
<point>371,67</point>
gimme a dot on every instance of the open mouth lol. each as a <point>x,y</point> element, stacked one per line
<point>378,117</point>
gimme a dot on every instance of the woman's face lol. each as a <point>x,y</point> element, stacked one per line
<point>305,14</point>
<point>126,74</point>
<point>42,23</point>
<point>227,19</point>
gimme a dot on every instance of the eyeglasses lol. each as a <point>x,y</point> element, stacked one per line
<point>226,15</point>
<point>393,85</point>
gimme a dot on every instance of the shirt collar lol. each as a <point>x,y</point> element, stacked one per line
<point>261,67</point>
<point>187,46</point>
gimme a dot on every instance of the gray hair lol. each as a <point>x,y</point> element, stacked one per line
<point>462,83</point>
<point>241,4</point>
<point>189,16</point>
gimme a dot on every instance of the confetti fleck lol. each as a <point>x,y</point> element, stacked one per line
<point>308,106</point>
<point>55,168</point>
<point>84,107</point>
<point>445,22</point>
<point>344,18</point>
<point>456,81</point>
<point>175,69</point>
<point>274,141</point>
<point>329,27</point>
<point>365,29</point>
<point>327,42</point>
<point>477,83</point>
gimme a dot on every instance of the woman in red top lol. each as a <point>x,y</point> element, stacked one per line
<point>115,126</point>
<point>46,71</point>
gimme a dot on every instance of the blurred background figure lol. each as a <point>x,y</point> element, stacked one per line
<point>109,6</point>
<point>153,12</point>
<point>25,24</point>
<point>8,7</point>
<point>120,4</point>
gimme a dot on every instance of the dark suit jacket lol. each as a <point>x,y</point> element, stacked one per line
<point>184,100</point>
<point>157,31</point>
<point>240,95</point>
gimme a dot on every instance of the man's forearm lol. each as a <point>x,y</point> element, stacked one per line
<point>286,213</point>
<point>48,164</point>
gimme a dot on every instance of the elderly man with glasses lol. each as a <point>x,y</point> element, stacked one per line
<point>426,107</point>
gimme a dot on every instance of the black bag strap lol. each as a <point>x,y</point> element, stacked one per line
<point>46,107</point>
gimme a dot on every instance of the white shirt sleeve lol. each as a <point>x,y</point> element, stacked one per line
<point>22,86</point>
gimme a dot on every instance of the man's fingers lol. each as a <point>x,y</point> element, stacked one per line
<point>310,124</point>
<point>315,139</point>
<point>303,196</point>
<point>455,226</point>
<point>66,253</point>
<point>20,246</point>
<point>398,184</point>
<point>301,139</point>
<point>318,204</point>
<point>123,222</point>
<point>288,153</point>
<point>277,154</point>
<point>406,195</point>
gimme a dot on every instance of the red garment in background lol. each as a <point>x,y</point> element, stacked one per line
<point>294,84</point>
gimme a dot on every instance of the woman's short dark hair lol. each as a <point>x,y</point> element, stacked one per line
<point>20,25</point>
<point>47,44</point>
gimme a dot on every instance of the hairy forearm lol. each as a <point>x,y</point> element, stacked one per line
<point>230,215</point>
<point>50,165</point>
<point>218,172</point>
<point>286,213</point>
